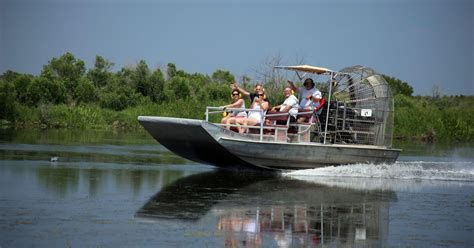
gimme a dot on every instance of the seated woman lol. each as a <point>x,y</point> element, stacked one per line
<point>254,117</point>
<point>237,102</point>
<point>314,104</point>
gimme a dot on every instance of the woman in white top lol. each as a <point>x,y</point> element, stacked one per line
<point>259,105</point>
<point>237,102</point>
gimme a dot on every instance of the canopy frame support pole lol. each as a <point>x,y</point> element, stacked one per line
<point>329,104</point>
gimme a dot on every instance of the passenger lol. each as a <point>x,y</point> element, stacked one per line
<point>237,102</point>
<point>315,101</point>
<point>289,105</point>
<point>256,116</point>
<point>258,88</point>
<point>305,92</point>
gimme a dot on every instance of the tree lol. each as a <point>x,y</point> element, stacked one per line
<point>216,91</point>
<point>9,76</point>
<point>273,80</point>
<point>245,80</point>
<point>436,91</point>
<point>178,88</point>
<point>66,68</point>
<point>85,91</point>
<point>157,85</point>
<point>398,87</point>
<point>7,101</point>
<point>221,76</point>
<point>118,95</point>
<point>141,77</point>
<point>22,84</point>
<point>100,75</point>
<point>45,90</point>
<point>171,71</point>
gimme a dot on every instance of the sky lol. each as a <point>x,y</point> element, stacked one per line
<point>427,43</point>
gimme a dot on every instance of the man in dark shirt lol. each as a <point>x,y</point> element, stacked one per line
<point>258,88</point>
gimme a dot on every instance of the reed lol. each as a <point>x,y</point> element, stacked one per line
<point>431,119</point>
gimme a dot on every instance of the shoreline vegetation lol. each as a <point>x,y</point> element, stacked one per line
<point>67,95</point>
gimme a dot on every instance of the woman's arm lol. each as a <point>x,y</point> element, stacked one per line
<point>264,105</point>
<point>293,87</point>
<point>274,108</point>
<point>241,90</point>
<point>236,104</point>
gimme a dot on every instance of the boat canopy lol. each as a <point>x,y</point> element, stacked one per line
<point>305,68</point>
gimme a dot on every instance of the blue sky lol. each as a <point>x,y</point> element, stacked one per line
<point>422,42</point>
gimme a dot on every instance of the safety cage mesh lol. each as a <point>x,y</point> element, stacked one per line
<point>361,108</point>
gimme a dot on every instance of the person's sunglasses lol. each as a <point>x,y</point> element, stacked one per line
<point>235,94</point>
<point>259,94</point>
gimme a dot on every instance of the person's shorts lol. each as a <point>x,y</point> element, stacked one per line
<point>242,114</point>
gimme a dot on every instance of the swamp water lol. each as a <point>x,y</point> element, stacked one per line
<point>101,189</point>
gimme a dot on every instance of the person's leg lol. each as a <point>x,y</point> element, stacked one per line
<point>224,120</point>
<point>230,121</point>
<point>251,122</point>
<point>239,122</point>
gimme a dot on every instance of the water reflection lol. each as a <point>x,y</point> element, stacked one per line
<point>139,154</point>
<point>256,210</point>
<point>66,180</point>
<point>78,137</point>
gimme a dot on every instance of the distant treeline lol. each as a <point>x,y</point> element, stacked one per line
<point>67,95</point>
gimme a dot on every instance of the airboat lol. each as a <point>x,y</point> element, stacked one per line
<point>355,125</point>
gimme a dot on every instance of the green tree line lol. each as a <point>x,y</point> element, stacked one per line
<point>66,92</point>
<point>68,95</point>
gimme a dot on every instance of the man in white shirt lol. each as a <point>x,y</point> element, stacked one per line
<point>305,92</point>
<point>314,104</point>
<point>289,105</point>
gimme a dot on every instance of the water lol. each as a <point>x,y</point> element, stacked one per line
<point>124,190</point>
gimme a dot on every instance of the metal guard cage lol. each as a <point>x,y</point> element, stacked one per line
<point>361,108</point>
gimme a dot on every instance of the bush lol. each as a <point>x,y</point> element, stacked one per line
<point>22,84</point>
<point>398,87</point>
<point>27,116</point>
<point>85,91</point>
<point>43,90</point>
<point>118,96</point>
<point>177,88</point>
<point>441,119</point>
<point>8,104</point>
<point>222,76</point>
<point>218,92</point>
<point>153,86</point>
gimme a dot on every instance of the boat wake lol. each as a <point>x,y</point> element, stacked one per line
<point>403,175</point>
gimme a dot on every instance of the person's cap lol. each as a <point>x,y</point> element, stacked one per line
<point>317,94</point>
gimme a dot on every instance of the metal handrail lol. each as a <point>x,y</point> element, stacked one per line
<point>215,110</point>
<point>277,114</point>
<point>221,109</point>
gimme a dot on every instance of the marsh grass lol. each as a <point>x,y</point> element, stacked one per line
<point>431,119</point>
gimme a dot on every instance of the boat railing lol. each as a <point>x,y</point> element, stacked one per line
<point>220,110</point>
<point>276,132</point>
